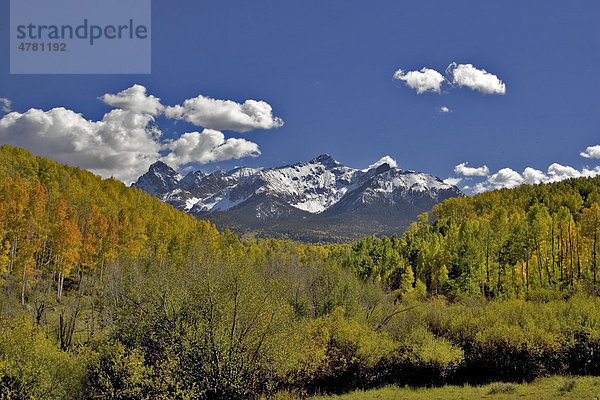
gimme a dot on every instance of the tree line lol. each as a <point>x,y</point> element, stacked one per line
<point>509,243</point>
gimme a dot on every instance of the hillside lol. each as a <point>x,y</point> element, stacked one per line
<point>107,292</point>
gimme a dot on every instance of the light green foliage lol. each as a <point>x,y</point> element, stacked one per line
<point>336,351</point>
<point>115,372</point>
<point>420,288</point>
<point>407,279</point>
<point>514,339</point>
<point>33,367</point>
<point>421,348</point>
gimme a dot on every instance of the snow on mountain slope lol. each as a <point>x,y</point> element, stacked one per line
<point>315,187</point>
<point>159,179</point>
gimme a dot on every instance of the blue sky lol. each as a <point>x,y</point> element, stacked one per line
<point>326,69</point>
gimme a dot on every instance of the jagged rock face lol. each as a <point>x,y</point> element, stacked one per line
<point>159,179</point>
<point>303,191</point>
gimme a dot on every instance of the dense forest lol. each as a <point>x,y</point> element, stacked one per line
<point>106,292</point>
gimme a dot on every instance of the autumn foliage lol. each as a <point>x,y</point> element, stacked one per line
<point>107,292</point>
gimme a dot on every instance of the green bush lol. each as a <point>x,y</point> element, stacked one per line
<point>424,359</point>
<point>113,372</point>
<point>337,353</point>
<point>33,366</point>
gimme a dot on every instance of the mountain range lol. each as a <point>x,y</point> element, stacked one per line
<point>320,200</point>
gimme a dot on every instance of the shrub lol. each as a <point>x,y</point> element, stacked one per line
<point>339,353</point>
<point>33,366</point>
<point>424,359</point>
<point>116,373</point>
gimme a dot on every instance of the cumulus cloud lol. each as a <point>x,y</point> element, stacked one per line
<point>5,105</point>
<point>480,187</point>
<point>508,178</point>
<point>444,109</point>
<point>207,146</point>
<point>474,78</point>
<point>425,80</point>
<point>122,144</point>
<point>591,152</point>
<point>462,169</point>
<point>532,176</point>
<point>557,172</point>
<point>585,173</point>
<point>453,181</point>
<point>134,99</point>
<point>505,178</point>
<point>225,114</point>
<point>126,140</point>
<point>589,173</point>
<point>384,160</point>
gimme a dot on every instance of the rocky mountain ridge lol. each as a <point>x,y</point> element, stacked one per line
<point>304,195</point>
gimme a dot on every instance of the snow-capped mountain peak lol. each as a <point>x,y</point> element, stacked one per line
<point>319,186</point>
<point>159,179</point>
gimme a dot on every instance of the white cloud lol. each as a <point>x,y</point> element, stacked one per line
<point>591,152</point>
<point>225,114</point>
<point>506,178</point>
<point>532,176</point>
<point>425,80</point>
<point>462,169</point>
<point>384,160</point>
<point>481,187</point>
<point>125,141</point>
<point>134,99</point>
<point>590,172</point>
<point>476,79</point>
<point>5,105</point>
<point>122,144</point>
<point>557,172</point>
<point>444,109</point>
<point>452,181</point>
<point>207,146</point>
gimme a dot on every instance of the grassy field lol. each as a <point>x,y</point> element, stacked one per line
<point>557,387</point>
